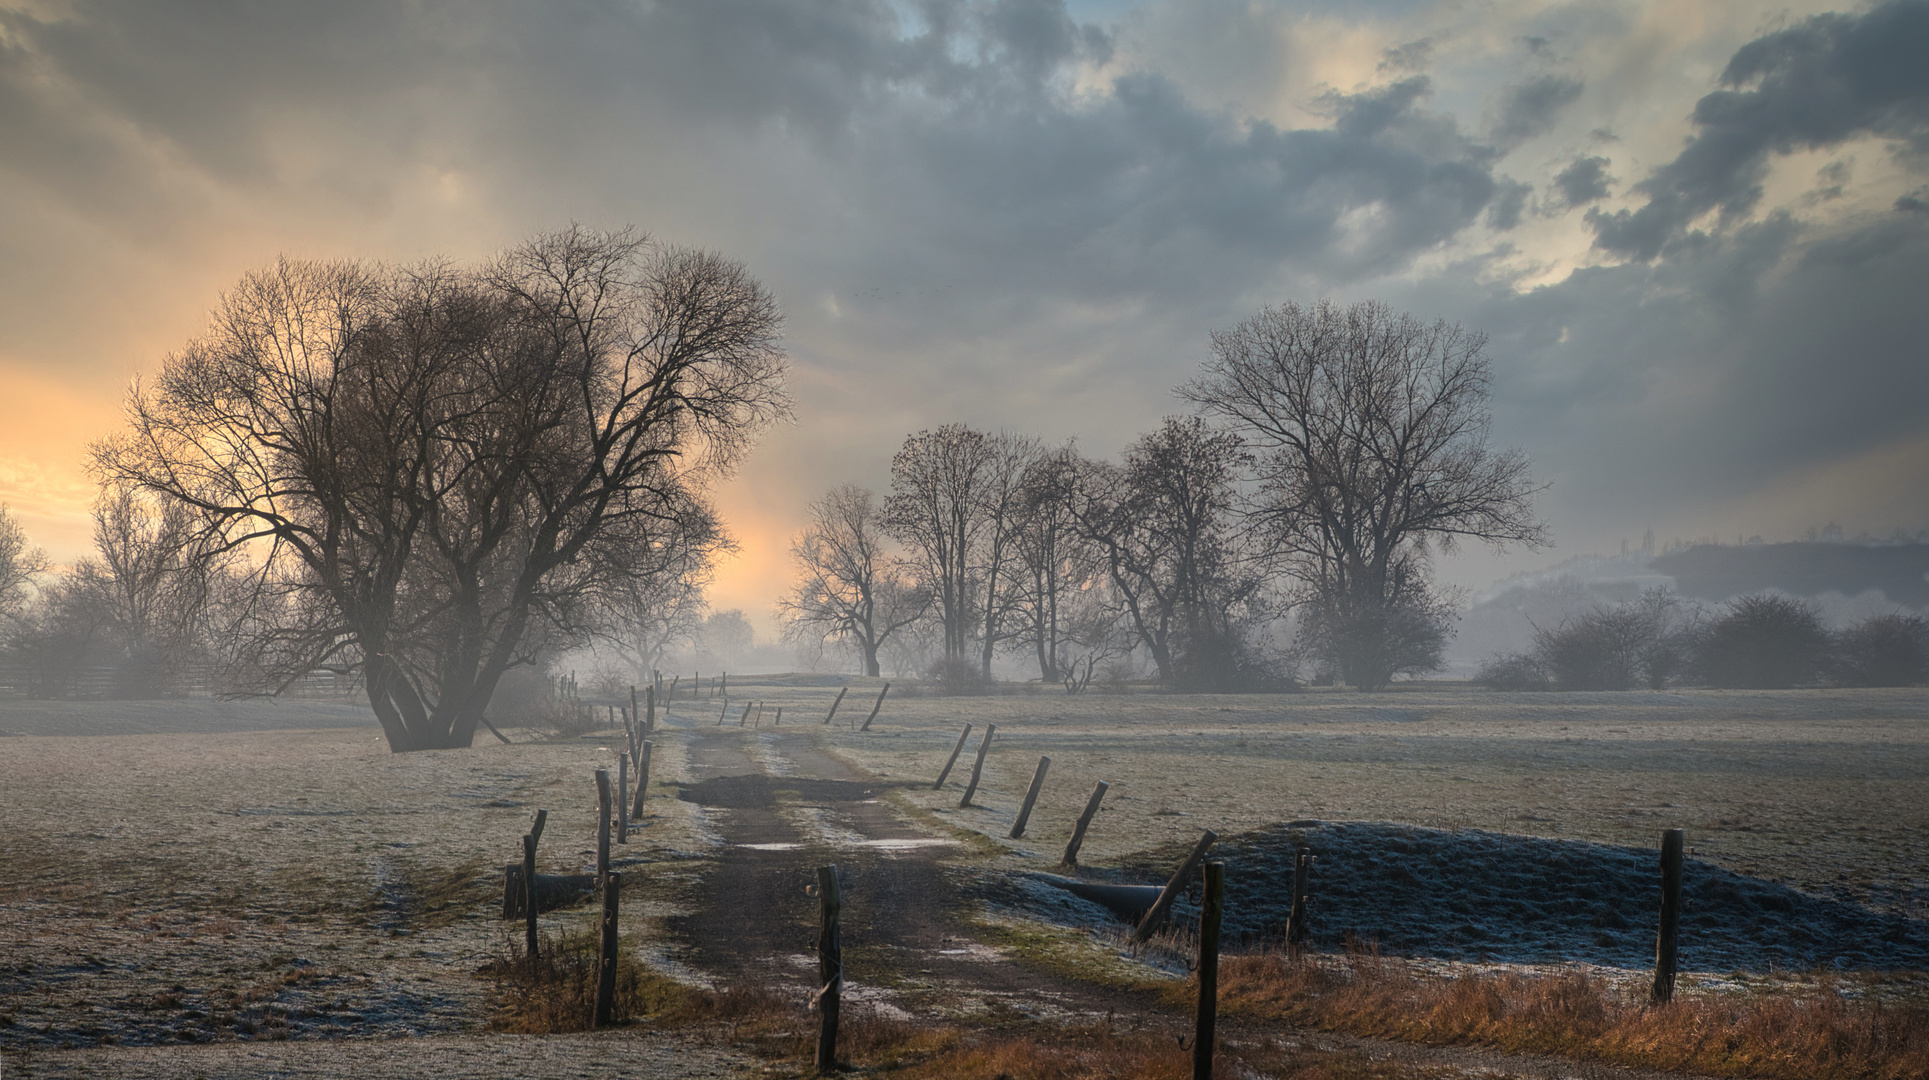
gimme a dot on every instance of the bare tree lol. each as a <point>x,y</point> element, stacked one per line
<point>1164,522</point>
<point>1055,561</point>
<point>1372,429</point>
<point>955,496</point>
<point>849,588</point>
<point>19,563</point>
<point>652,598</point>
<point>439,463</point>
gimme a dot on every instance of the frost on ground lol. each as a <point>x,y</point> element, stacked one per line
<point>1480,896</point>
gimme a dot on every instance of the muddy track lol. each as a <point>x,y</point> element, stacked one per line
<point>907,945</point>
<point>785,807</point>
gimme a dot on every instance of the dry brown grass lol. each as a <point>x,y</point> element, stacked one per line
<point>1783,1036</point>
<point>557,992</point>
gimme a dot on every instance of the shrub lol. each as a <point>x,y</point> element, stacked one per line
<point>1884,650</point>
<point>1765,642</point>
<point>1512,671</point>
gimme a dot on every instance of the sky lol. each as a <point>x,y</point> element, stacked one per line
<point>1696,234</point>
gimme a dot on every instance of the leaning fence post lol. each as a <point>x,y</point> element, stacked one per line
<point>603,824</point>
<point>1031,796</point>
<point>606,960</point>
<point>723,712</point>
<point>1665,940</point>
<point>1156,915</point>
<point>649,703</point>
<point>840,700</point>
<point>642,776</point>
<point>830,966</point>
<point>1084,822</point>
<point>953,759</point>
<point>879,704</point>
<point>1209,914</point>
<point>978,767</point>
<point>670,694</point>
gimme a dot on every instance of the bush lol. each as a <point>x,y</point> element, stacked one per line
<point>1884,650</point>
<point>1765,642</point>
<point>1512,671</point>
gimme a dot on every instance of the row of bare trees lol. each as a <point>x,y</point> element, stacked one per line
<point>1354,443</point>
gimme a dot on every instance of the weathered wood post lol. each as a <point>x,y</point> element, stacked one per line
<point>1084,822</point>
<point>830,966</point>
<point>1031,796</point>
<point>978,767</point>
<point>635,713</point>
<point>1665,941</point>
<point>745,718</point>
<point>529,842</point>
<point>780,717</point>
<point>723,712</point>
<point>841,691</point>
<point>602,824</point>
<point>642,776</point>
<point>1156,915</point>
<point>529,896</point>
<point>879,704</point>
<point>760,715</point>
<point>670,694</point>
<point>1208,1017</point>
<point>723,685</point>
<point>622,804</point>
<point>606,960</point>
<point>649,707</point>
<point>953,759</point>
<point>1296,916</point>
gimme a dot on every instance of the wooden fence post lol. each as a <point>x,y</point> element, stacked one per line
<point>622,804</point>
<point>670,694</point>
<point>1296,915</point>
<point>952,760</point>
<point>649,706</point>
<point>830,966</point>
<point>745,718</point>
<point>1665,941</point>
<point>603,824</point>
<point>840,700</point>
<point>606,960</point>
<point>1084,822</point>
<point>723,686</point>
<point>723,712</point>
<point>529,896</point>
<point>978,767</point>
<point>1208,1017</point>
<point>875,707</point>
<point>643,775</point>
<point>1031,796</point>
<point>1156,915</point>
<point>779,718</point>
<point>635,713</point>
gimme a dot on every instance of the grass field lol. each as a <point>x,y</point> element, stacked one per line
<point>198,881</point>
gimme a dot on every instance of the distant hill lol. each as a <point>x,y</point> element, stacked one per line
<point>1710,572</point>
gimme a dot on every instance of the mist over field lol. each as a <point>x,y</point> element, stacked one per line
<point>753,538</point>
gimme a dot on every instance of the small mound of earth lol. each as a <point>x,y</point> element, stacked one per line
<point>1482,896</point>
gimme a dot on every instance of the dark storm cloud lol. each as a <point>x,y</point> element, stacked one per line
<point>1531,107</point>
<point>1584,181</point>
<point>1651,391</point>
<point>1826,80</point>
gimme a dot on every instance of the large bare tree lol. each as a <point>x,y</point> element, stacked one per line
<point>1163,521</point>
<point>1372,430</point>
<point>850,588</point>
<point>430,468</point>
<point>955,504</point>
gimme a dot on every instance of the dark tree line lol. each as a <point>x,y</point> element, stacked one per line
<point>1762,641</point>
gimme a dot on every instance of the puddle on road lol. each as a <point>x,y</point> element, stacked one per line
<point>876,845</point>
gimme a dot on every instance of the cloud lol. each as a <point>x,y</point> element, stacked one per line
<point>1817,84</point>
<point>1584,181</point>
<point>1531,107</point>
